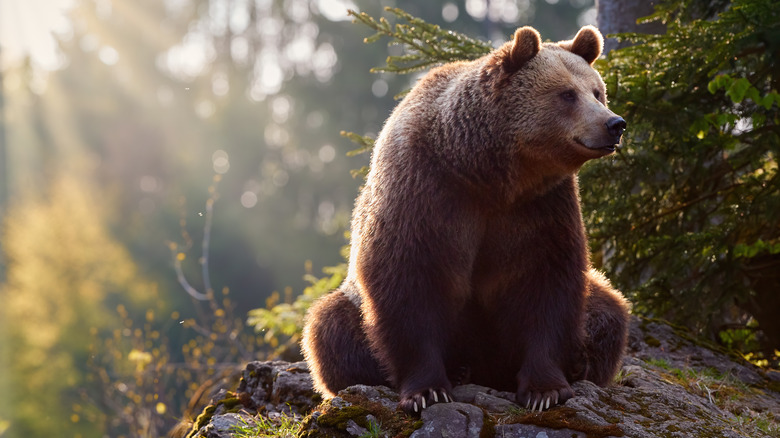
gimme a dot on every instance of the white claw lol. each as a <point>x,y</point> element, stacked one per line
<point>415,406</point>
<point>423,402</point>
<point>435,397</point>
<point>556,398</point>
<point>533,408</point>
<point>446,397</point>
<point>548,403</point>
<point>528,403</point>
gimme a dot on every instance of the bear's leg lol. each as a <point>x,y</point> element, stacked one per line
<point>542,377</point>
<point>606,329</point>
<point>411,341</point>
<point>540,336</point>
<point>336,348</point>
<point>542,330</point>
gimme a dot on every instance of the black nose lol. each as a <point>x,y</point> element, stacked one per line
<point>615,126</point>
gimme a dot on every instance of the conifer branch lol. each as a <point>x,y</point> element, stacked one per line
<point>365,142</point>
<point>426,44</point>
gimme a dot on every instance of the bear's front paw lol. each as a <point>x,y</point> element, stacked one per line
<point>542,396</point>
<point>415,402</point>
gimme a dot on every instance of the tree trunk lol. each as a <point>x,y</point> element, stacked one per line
<point>763,273</point>
<point>616,16</point>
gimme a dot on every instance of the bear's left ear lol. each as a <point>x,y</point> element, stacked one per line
<point>588,43</point>
<point>525,44</point>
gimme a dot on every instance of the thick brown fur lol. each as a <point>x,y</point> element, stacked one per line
<point>468,246</point>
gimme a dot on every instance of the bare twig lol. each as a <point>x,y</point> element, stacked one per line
<point>194,293</point>
<point>204,258</point>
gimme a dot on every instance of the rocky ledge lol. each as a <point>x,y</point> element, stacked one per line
<point>671,385</point>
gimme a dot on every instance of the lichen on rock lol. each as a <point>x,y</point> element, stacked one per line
<point>670,385</point>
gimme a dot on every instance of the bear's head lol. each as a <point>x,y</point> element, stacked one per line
<point>554,101</point>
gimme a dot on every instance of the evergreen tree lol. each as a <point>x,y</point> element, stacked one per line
<point>687,216</point>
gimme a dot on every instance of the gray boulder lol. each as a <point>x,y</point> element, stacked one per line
<point>670,385</point>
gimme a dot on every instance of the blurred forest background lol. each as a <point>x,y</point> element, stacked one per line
<point>126,127</point>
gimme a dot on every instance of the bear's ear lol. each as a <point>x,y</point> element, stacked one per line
<point>526,43</point>
<point>588,43</point>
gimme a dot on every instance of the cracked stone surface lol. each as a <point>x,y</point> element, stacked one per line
<point>670,385</point>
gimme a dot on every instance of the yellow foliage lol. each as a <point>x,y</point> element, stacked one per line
<point>62,265</point>
<point>140,358</point>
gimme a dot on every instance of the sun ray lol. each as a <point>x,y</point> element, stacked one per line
<point>134,31</point>
<point>26,29</point>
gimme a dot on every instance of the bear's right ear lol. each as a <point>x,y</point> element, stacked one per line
<point>526,43</point>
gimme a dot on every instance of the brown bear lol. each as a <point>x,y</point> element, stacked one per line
<point>468,247</point>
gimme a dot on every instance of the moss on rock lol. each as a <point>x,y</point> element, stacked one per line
<point>230,403</point>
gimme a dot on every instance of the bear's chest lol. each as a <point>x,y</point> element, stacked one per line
<point>533,239</point>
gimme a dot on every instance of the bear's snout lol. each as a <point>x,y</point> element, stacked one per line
<point>615,127</point>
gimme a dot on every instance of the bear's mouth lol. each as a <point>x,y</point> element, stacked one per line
<point>606,149</point>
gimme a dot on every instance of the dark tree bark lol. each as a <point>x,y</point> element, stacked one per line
<point>763,273</point>
<point>616,16</point>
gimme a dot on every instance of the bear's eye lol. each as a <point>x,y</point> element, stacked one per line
<point>597,95</point>
<point>569,96</point>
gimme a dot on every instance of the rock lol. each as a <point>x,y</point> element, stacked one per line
<point>467,393</point>
<point>666,410</point>
<point>278,386</point>
<point>273,388</point>
<point>659,341</point>
<point>491,403</point>
<point>223,426</point>
<point>531,431</point>
<point>378,394</point>
<point>670,385</point>
<point>359,408</point>
<point>451,420</point>
<point>355,430</point>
